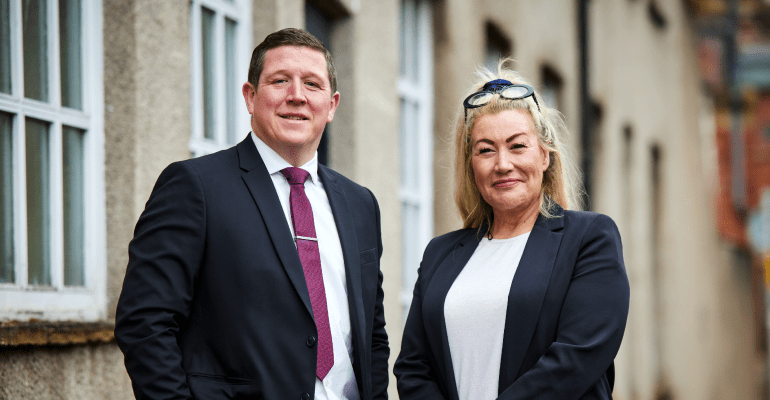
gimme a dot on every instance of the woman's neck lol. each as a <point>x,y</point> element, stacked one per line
<point>511,224</point>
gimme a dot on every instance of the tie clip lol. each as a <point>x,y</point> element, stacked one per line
<point>312,239</point>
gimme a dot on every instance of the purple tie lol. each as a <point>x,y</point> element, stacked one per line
<point>307,246</point>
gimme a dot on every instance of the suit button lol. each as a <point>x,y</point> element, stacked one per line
<point>305,396</point>
<point>310,341</point>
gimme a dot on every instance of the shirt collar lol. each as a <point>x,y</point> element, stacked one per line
<point>275,163</point>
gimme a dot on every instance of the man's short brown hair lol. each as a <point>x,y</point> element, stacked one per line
<point>289,37</point>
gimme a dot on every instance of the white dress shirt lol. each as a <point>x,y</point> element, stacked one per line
<point>340,382</point>
<point>474,312</point>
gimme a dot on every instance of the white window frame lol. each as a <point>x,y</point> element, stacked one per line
<point>238,11</point>
<point>418,90</point>
<point>19,300</point>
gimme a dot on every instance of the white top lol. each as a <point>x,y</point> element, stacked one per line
<point>340,382</point>
<point>474,310</point>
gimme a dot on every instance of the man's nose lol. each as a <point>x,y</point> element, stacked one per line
<point>295,94</point>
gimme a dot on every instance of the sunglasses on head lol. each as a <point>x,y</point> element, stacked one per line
<point>506,90</point>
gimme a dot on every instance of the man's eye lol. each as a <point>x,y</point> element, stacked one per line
<point>313,84</point>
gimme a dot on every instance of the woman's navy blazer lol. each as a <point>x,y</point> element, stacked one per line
<point>567,311</point>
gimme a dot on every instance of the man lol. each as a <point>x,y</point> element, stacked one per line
<point>254,272</point>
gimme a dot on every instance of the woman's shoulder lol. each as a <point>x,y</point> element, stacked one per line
<point>444,244</point>
<point>589,226</point>
<point>454,237</point>
<point>586,218</point>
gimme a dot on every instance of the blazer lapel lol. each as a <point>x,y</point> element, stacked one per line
<point>527,294</point>
<point>263,191</point>
<point>350,253</point>
<point>436,292</point>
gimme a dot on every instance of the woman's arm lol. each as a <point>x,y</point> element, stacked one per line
<point>415,377</point>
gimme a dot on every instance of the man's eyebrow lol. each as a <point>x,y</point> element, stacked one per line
<point>304,75</point>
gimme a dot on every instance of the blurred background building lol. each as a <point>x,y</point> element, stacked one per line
<point>668,102</point>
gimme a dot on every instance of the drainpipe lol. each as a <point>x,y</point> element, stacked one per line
<point>585,98</point>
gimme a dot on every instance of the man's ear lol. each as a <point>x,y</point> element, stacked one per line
<point>249,95</point>
<point>335,102</point>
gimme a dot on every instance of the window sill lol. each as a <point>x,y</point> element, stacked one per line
<point>41,333</point>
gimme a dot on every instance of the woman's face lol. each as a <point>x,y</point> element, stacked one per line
<point>508,162</point>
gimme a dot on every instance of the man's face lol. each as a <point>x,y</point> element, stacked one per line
<point>292,102</point>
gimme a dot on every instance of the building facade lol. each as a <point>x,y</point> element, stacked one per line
<point>97,97</point>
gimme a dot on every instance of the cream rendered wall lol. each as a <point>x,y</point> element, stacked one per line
<point>88,372</point>
<point>147,112</point>
<point>147,126</point>
<point>701,322</point>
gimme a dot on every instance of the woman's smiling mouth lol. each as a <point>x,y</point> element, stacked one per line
<point>505,182</point>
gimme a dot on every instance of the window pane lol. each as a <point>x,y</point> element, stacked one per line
<point>5,47</point>
<point>35,49</point>
<point>38,201</point>
<point>411,247</point>
<point>232,72</point>
<point>403,143</point>
<point>69,40</point>
<point>6,199</point>
<point>74,206</point>
<point>408,39</point>
<point>207,29</point>
<point>409,146</point>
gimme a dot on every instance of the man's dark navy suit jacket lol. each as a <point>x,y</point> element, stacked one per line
<point>566,314</point>
<point>214,303</point>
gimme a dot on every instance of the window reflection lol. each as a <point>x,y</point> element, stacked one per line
<point>6,199</point>
<point>38,203</point>
<point>73,179</point>
<point>69,41</point>
<point>35,30</point>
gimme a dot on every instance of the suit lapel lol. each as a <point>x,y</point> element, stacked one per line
<point>436,292</point>
<point>350,253</point>
<point>263,191</point>
<point>527,294</point>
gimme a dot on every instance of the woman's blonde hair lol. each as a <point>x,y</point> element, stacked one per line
<point>561,184</point>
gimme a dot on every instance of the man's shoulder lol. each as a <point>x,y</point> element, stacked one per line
<point>219,157</point>
<point>209,165</point>
<point>345,183</point>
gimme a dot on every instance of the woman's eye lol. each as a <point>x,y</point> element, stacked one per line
<point>485,150</point>
<point>518,146</point>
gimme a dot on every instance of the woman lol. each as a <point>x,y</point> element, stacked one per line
<point>528,300</point>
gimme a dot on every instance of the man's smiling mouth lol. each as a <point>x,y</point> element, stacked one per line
<point>294,117</point>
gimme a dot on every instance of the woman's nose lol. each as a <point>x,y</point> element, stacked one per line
<point>503,163</point>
